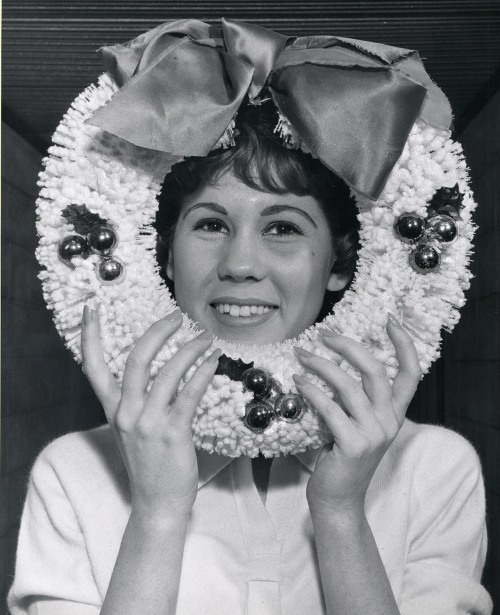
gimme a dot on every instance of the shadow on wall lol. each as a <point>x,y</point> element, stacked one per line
<point>44,393</point>
<point>471,369</point>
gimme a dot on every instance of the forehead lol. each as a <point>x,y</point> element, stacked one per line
<point>236,196</point>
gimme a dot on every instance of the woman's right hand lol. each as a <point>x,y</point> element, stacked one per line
<point>153,430</point>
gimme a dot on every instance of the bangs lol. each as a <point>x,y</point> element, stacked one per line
<point>260,160</point>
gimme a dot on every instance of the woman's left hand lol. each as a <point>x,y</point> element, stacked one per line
<point>364,422</point>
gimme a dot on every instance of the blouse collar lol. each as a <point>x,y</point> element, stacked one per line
<point>210,464</point>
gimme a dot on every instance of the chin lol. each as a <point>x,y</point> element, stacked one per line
<point>262,329</point>
<point>246,335</point>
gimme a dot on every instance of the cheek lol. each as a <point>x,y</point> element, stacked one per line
<point>312,268</point>
<point>188,263</point>
<point>191,266</point>
<point>305,278</point>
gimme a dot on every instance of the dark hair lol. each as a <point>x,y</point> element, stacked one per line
<point>260,160</point>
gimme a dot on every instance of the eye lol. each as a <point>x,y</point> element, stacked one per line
<point>282,229</point>
<point>211,225</point>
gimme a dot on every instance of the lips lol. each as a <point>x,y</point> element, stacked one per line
<point>242,308</point>
<point>234,309</point>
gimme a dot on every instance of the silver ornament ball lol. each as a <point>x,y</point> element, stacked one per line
<point>442,229</point>
<point>259,415</point>
<point>409,227</point>
<point>71,246</point>
<point>110,270</point>
<point>102,240</point>
<point>258,381</point>
<point>289,407</point>
<point>425,258</point>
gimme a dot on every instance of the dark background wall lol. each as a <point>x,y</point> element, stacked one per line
<point>49,57</point>
<point>44,393</point>
<point>471,373</point>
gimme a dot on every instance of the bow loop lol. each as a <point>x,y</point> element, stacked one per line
<point>125,60</point>
<point>257,46</point>
<point>352,102</point>
<point>180,91</point>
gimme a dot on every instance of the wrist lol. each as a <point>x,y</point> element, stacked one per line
<point>341,528</point>
<point>150,530</point>
<point>343,515</point>
<point>170,515</point>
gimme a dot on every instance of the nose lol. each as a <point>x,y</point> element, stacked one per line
<point>242,260</point>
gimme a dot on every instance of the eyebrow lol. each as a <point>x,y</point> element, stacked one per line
<point>268,211</point>
<point>213,206</point>
<point>275,209</point>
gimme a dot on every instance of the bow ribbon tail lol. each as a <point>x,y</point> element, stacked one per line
<point>355,122</point>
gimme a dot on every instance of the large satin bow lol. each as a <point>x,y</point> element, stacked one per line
<point>352,102</point>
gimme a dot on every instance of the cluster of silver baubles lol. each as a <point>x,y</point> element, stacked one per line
<point>97,237</point>
<point>269,402</point>
<point>431,235</point>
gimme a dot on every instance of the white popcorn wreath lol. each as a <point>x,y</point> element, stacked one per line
<point>120,182</point>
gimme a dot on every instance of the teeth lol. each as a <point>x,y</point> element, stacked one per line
<point>241,310</point>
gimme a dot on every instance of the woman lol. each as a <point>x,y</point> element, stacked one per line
<point>130,518</point>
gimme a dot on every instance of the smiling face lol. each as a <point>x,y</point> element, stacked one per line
<point>251,266</point>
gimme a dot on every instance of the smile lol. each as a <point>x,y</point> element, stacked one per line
<point>237,312</point>
<point>242,311</point>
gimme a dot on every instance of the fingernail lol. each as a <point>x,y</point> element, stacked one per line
<point>393,320</point>
<point>205,335</point>
<point>299,380</point>
<point>327,333</point>
<point>303,354</point>
<point>173,315</point>
<point>214,357</point>
<point>88,315</point>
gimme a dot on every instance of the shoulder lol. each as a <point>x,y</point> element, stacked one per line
<point>445,542</point>
<point>78,488</point>
<point>436,460</point>
<point>79,454</point>
<point>72,446</point>
<point>433,445</point>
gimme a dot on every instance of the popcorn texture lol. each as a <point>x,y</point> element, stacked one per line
<point>120,181</point>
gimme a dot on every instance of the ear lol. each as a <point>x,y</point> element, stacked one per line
<point>337,281</point>
<point>169,267</point>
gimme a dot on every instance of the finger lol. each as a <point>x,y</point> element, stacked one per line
<point>168,378</point>
<point>94,366</point>
<point>350,392</point>
<point>137,367</point>
<point>189,398</point>
<point>335,418</point>
<point>373,373</point>
<point>409,374</point>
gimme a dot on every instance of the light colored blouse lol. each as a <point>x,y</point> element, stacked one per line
<point>425,506</point>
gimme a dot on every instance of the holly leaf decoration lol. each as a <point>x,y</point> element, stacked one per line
<point>82,219</point>
<point>447,202</point>
<point>232,368</point>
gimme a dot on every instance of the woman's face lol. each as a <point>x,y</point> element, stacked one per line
<point>251,266</point>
